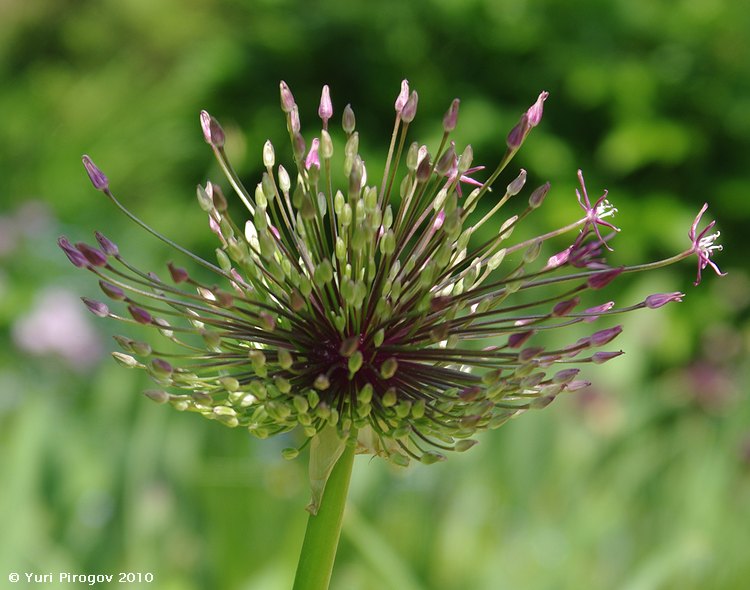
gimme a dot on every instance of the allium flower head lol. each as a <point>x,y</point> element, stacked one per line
<point>372,311</point>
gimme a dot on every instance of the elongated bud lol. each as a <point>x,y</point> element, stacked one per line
<point>515,187</point>
<point>294,125</point>
<point>325,110</point>
<point>97,177</point>
<point>75,257</point>
<point>312,157</point>
<point>212,131</point>
<point>537,197</point>
<point>109,247</point>
<point>111,291</point>
<point>403,96</point>
<point>518,133</point>
<point>287,100</point>
<point>446,161</point>
<point>602,279</point>
<point>534,114</point>
<point>602,357</point>
<point>348,121</point>
<point>451,117</point>
<point>269,156</point>
<point>410,108</point>
<point>326,145</point>
<point>605,336</point>
<point>659,299</point>
<point>93,255</point>
<point>96,307</point>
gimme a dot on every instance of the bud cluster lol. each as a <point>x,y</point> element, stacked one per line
<point>373,310</point>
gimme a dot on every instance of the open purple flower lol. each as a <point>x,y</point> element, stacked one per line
<point>703,244</point>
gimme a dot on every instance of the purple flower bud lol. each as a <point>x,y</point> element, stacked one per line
<point>96,307</point>
<point>109,247</point>
<point>98,179</point>
<point>348,120</point>
<point>537,197</point>
<point>517,184</point>
<point>410,108</point>
<point>534,114</point>
<point>565,376</point>
<point>212,131</point>
<point>451,117</point>
<point>179,275</point>
<point>603,337</point>
<point>519,338</point>
<point>325,110</point>
<point>424,169</point>
<point>217,197</point>
<point>94,256</point>
<point>112,291</point>
<point>439,220</point>
<point>565,307</point>
<point>594,312</point>
<point>140,315</point>
<point>518,133</point>
<point>294,125</point>
<point>602,279</point>
<point>529,353</point>
<point>659,299</point>
<point>73,255</point>
<point>403,96</point>
<point>161,367</point>
<point>602,357</point>
<point>298,144</point>
<point>446,161</point>
<point>312,157</point>
<point>287,100</point>
<point>576,385</point>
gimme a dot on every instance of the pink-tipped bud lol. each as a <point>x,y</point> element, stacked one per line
<point>602,279</point>
<point>403,96</point>
<point>96,307</point>
<point>212,131</point>
<point>410,108</point>
<point>534,114</point>
<point>659,299</point>
<point>565,376</point>
<point>98,179</point>
<point>451,117</point>
<point>287,100</point>
<point>325,110</point>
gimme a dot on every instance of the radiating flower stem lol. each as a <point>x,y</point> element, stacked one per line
<point>324,528</point>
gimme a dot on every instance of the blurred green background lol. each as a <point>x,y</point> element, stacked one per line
<point>641,482</point>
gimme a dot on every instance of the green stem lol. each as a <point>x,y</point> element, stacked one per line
<point>323,530</point>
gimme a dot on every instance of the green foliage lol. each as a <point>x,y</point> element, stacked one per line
<point>641,483</point>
